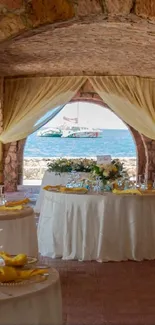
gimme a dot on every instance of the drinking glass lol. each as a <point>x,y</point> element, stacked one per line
<point>2,195</point>
<point>139,183</point>
<point>120,183</point>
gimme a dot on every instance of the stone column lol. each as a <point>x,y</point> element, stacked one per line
<point>1,129</point>
<point>141,152</point>
<point>20,157</point>
<point>10,167</point>
<point>13,166</point>
<point>150,156</point>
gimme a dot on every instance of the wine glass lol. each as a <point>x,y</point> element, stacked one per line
<point>139,183</point>
<point>2,195</point>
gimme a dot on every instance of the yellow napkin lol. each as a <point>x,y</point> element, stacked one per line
<point>8,274</point>
<point>49,187</point>
<point>129,191</point>
<point>17,207</point>
<point>17,203</point>
<point>74,189</point>
<point>18,260</point>
<point>148,191</point>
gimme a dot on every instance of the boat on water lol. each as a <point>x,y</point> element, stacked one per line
<point>70,129</point>
<point>50,132</point>
<point>81,132</point>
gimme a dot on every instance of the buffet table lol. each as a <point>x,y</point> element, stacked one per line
<point>18,233</point>
<point>97,227</point>
<point>51,178</point>
<point>34,303</point>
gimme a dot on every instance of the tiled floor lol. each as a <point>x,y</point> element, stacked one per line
<point>108,293</point>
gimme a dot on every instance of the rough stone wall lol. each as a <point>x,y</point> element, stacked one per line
<point>77,37</point>
<point>150,158</point>
<point>18,16</point>
<point>1,128</point>
<point>10,167</point>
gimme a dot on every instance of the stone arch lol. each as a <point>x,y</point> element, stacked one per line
<point>13,152</point>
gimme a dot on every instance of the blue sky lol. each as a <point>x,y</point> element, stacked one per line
<point>90,115</point>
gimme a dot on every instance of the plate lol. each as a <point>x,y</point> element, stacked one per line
<point>35,279</point>
<point>30,259</point>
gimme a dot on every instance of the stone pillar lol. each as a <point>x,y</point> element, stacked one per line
<point>10,167</point>
<point>141,152</point>
<point>13,167</point>
<point>150,157</point>
<point>20,156</point>
<point>1,129</point>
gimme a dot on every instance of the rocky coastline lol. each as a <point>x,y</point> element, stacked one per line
<point>34,168</point>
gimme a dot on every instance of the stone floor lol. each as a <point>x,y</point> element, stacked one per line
<point>120,293</point>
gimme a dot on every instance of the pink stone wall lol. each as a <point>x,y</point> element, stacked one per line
<point>1,127</point>
<point>10,167</point>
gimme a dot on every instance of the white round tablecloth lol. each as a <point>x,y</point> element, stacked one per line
<point>51,178</point>
<point>97,227</point>
<point>18,232</point>
<point>32,304</point>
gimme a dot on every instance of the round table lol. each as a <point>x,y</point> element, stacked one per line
<point>18,232</point>
<point>51,178</point>
<point>97,227</point>
<point>32,304</point>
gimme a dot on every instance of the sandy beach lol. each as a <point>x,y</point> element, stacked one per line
<point>34,168</point>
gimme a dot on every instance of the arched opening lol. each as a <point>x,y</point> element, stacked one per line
<point>117,140</point>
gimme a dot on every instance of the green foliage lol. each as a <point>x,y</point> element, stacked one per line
<point>67,165</point>
<point>110,172</point>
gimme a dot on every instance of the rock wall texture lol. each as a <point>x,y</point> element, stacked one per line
<point>34,168</point>
<point>77,37</point>
<point>21,15</point>
<point>1,129</point>
<point>10,167</point>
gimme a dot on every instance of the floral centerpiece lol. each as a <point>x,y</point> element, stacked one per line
<point>109,173</point>
<point>65,165</point>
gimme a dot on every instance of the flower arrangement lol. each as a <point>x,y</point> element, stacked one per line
<point>68,165</point>
<point>109,173</point>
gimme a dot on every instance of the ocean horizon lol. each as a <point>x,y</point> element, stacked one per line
<point>117,143</point>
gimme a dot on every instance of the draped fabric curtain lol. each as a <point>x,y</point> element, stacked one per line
<point>26,100</point>
<point>131,98</point>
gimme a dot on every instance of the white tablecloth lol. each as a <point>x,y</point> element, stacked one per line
<point>97,227</point>
<point>32,304</point>
<point>18,232</point>
<point>50,178</point>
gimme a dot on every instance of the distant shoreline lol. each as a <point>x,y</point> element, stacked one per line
<point>35,167</point>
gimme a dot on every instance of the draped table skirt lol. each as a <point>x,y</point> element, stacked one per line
<point>51,178</point>
<point>32,304</point>
<point>18,232</point>
<point>97,227</point>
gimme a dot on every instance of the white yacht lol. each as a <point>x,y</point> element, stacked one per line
<point>70,129</point>
<point>81,132</point>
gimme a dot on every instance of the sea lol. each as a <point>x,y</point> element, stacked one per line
<point>117,143</point>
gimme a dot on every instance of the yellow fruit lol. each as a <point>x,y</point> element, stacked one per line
<point>18,260</point>
<point>7,274</point>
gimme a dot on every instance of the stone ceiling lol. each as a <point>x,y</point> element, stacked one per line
<point>77,37</point>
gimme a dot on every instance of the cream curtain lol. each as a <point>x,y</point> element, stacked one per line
<point>26,100</point>
<point>131,98</point>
